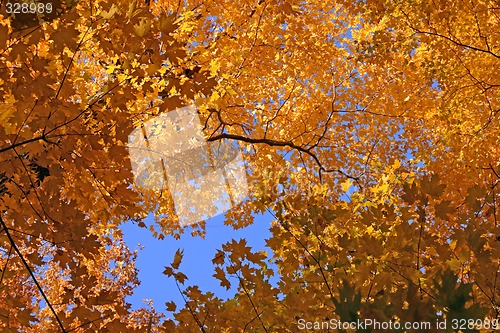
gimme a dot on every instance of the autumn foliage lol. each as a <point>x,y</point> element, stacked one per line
<point>370,130</point>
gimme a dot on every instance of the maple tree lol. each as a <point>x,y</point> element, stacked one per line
<point>369,130</point>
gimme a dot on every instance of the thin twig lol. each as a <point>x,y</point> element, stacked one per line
<point>198,322</point>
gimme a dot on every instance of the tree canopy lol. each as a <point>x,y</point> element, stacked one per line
<point>369,129</point>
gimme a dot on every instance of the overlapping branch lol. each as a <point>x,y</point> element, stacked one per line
<point>276,143</point>
<point>32,275</point>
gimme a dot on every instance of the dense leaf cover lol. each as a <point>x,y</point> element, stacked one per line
<point>370,130</point>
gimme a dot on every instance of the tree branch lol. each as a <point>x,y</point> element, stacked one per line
<point>290,144</point>
<point>30,271</point>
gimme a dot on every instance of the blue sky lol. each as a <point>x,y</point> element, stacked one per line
<point>197,261</point>
<point>197,265</point>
